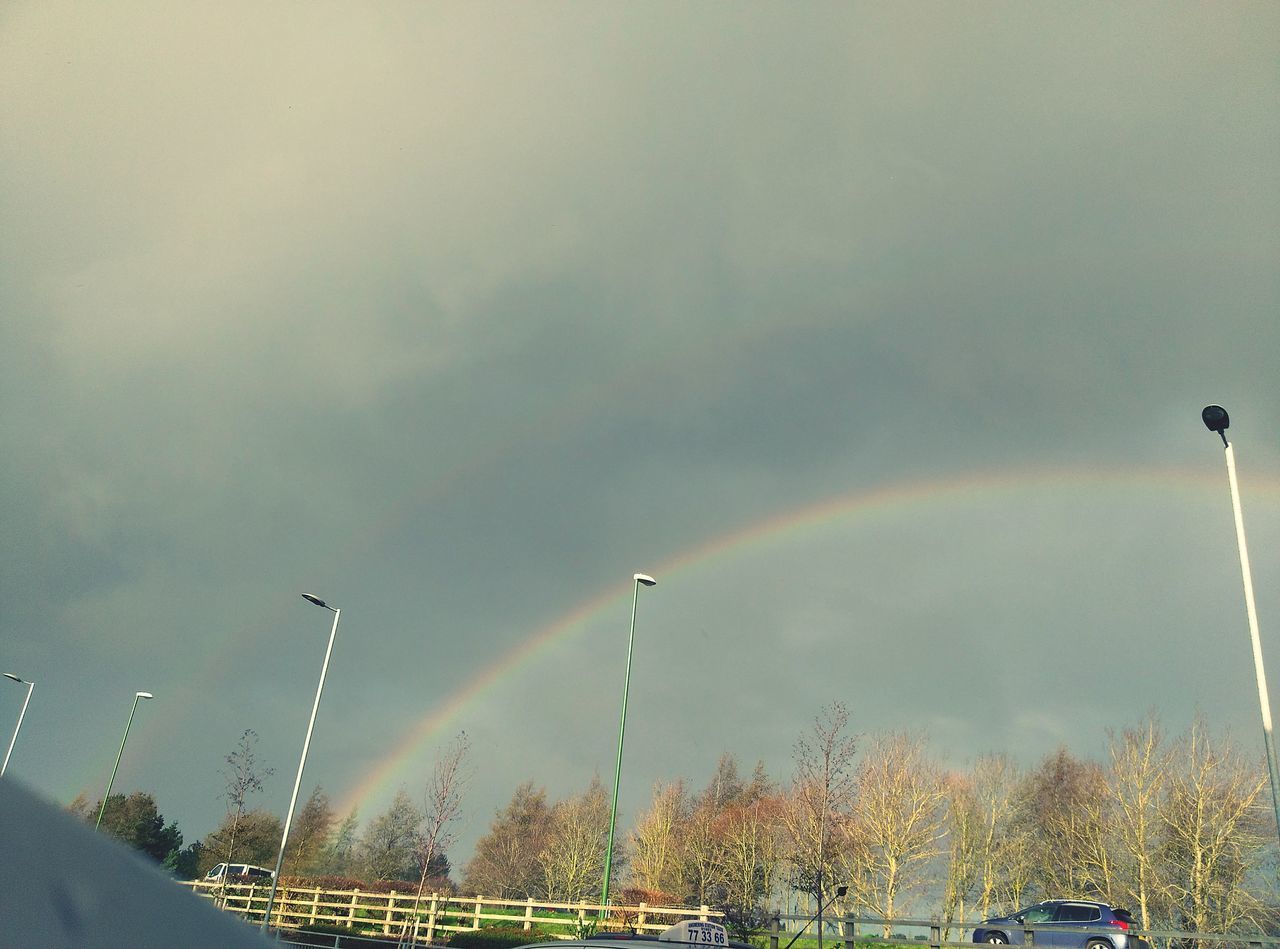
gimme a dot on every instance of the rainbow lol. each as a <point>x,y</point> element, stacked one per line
<point>883,501</point>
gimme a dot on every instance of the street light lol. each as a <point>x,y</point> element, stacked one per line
<point>1216,420</point>
<point>638,580</point>
<point>14,739</point>
<point>103,808</point>
<point>306,744</point>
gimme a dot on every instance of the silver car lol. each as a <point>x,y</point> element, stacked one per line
<point>1063,924</point>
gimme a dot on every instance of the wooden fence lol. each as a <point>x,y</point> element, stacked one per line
<point>437,915</point>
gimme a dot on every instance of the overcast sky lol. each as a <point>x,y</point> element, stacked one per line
<point>877,332</point>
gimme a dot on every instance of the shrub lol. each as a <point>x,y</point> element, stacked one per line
<point>743,922</point>
<point>324,883</point>
<point>321,934</point>
<point>400,886</point>
<point>498,937</point>
<point>635,895</point>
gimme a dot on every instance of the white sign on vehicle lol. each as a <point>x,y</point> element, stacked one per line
<point>697,932</point>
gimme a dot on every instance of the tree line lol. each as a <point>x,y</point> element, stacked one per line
<point>1177,829</point>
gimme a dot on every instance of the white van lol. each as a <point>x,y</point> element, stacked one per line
<point>222,871</point>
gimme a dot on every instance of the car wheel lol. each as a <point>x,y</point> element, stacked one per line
<point>997,939</point>
<point>1097,944</point>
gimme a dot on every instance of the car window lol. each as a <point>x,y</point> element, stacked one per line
<point>1037,914</point>
<point>1078,913</point>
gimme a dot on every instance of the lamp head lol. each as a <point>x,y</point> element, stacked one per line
<point>841,890</point>
<point>1216,418</point>
<point>10,675</point>
<point>645,579</point>
<point>311,598</point>
<point>144,695</point>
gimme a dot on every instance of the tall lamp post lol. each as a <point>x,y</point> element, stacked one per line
<point>638,580</point>
<point>14,739</point>
<point>102,810</point>
<point>306,744</point>
<point>1216,420</point>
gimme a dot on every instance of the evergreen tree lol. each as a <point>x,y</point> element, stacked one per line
<point>137,821</point>
<point>337,856</point>
<point>257,836</point>
<point>310,833</point>
<point>389,846</point>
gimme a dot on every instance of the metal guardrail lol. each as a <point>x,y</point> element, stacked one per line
<point>850,925</point>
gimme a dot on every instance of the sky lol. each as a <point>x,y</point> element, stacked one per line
<point>878,333</point>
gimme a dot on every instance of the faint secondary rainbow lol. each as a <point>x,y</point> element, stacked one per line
<point>884,500</point>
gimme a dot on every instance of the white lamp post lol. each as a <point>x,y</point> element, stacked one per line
<point>306,744</point>
<point>14,739</point>
<point>1216,420</point>
<point>638,580</point>
<point>102,810</point>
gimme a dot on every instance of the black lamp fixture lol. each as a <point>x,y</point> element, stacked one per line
<point>1217,420</point>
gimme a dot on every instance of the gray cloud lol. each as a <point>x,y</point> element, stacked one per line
<point>459,315</point>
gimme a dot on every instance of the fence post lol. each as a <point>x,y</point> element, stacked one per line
<point>935,934</point>
<point>774,925</point>
<point>476,918</point>
<point>704,908</point>
<point>248,904</point>
<point>850,931</point>
<point>315,904</point>
<point>391,902</point>
<point>528,914</point>
<point>431,919</point>
<point>351,913</point>
<point>1028,935</point>
<point>640,917</point>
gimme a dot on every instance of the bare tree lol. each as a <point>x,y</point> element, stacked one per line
<point>751,850</point>
<point>80,806</point>
<point>575,849</point>
<point>506,860</point>
<point>244,776</point>
<point>1065,812</point>
<point>897,824</point>
<point>656,840</point>
<point>1139,774</point>
<point>443,800</point>
<point>964,836</point>
<point>701,861</point>
<point>1003,847</point>
<point>820,797</point>
<point>1212,822</point>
